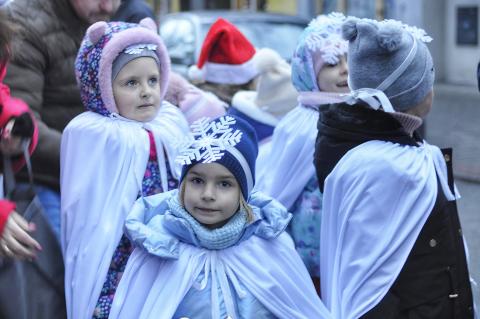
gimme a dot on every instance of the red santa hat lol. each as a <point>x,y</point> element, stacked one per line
<point>226,56</point>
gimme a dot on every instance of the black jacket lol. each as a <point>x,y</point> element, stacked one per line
<point>434,281</point>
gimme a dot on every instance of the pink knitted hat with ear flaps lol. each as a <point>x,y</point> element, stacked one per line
<point>102,43</point>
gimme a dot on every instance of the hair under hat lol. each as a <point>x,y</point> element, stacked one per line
<point>391,57</point>
<point>102,44</point>
<point>227,140</point>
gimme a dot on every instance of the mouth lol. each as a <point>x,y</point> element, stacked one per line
<point>342,84</point>
<point>145,106</point>
<point>206,210</point>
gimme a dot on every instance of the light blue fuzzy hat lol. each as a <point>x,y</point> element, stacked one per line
<point>391,57</point>
<point>321,42</point>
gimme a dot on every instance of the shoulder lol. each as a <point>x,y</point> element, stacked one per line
<point>98,129</point>
<point>35,16</point>
<point>376,160</point>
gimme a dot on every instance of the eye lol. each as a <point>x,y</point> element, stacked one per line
<point>153,80</point>
<point>196,180</point>
<point>225,184</point>
<point>131,83</point>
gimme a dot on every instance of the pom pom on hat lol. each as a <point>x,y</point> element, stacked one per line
<point>226,56</point>
<point>275,94</point>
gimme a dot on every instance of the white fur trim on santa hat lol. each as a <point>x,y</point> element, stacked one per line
<point>195,74</point>
<point>228,73</point>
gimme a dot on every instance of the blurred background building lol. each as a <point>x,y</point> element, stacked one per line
<point>453,24</point>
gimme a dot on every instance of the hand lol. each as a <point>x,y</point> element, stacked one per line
<point>10,145</point>
<point>16,241</point>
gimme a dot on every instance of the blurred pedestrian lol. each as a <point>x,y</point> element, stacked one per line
<point>192,101</point>
<point>272,97</point>
<point>478,75</point>
<point>286,171</point>
<point>391,240</point>
<point>133,11</point>
<point>42,74</point>
<point>16,126</point>
<point>120,149</point>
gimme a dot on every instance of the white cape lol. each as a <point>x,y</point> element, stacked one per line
<point>103,161</point>
<point>153,287</point>
<point>375,203</point>
<point>285,165</point>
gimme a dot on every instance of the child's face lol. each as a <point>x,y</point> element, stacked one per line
<point>136,90</point>
<point>334,78</point>
<point>212,194</point>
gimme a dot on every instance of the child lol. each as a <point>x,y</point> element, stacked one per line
<point>226,63</point>
<point>286,172</point>
<point>121,148</point>
<point>213,249</point>
<point>273,97</point>
<point>17,125</point>
<point>391,240</point>
<point>193,102</point>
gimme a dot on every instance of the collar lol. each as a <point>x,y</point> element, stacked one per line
<point>409,122</point>
<point>213,239</point>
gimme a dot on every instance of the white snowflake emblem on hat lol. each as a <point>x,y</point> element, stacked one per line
<point>208,140</point>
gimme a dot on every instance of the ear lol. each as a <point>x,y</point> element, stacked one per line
<point>96,31</point>
<point>149,24</point>
<point>349,29</point>
<point>389,37</point>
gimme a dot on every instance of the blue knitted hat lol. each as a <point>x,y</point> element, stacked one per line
<point>227,140</point>
<point>391,57</point>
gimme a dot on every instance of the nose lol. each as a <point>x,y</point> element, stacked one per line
<point>208,193</point>
<point>343,66</point>
<point>146,91</point>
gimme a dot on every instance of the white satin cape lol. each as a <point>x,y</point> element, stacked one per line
<point>103,161</point>
<point>375,203</point>
<point>152,287</point>
<point>285,163</point>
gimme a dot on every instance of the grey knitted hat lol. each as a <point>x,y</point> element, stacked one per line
<point>391,57</point>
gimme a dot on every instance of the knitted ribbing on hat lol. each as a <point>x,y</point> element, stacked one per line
<point>102,43</point>
<point>322,39</point>
<point>218,238</point>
